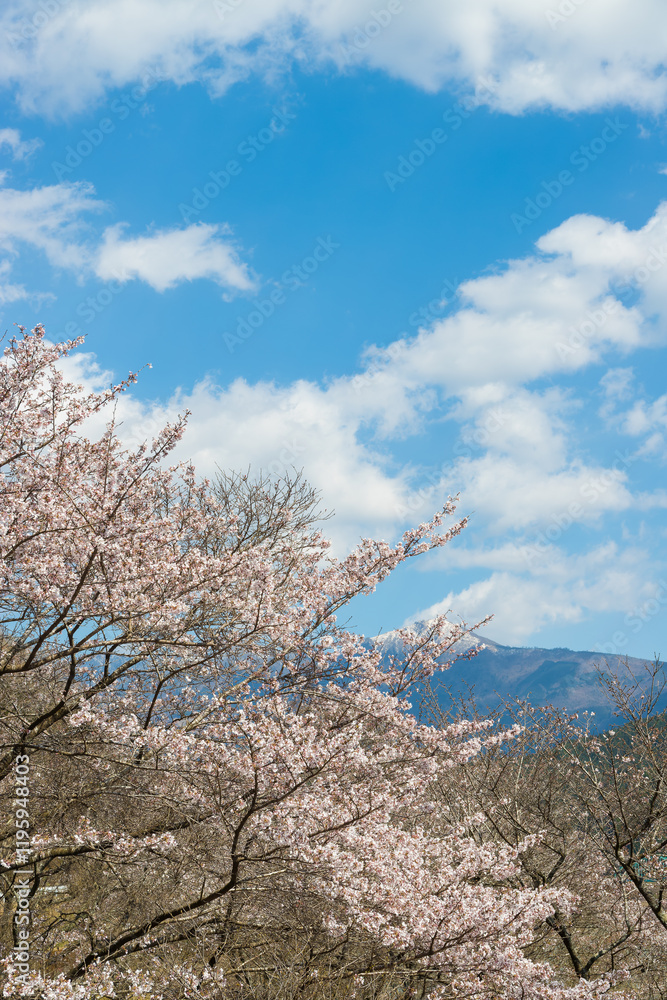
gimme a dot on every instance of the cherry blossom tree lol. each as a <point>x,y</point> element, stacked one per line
<point>598,801</point>
<point>216,777</point>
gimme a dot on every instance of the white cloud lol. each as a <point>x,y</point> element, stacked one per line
<point>607,52</point>
<point>646,419</point>
<point>49,219</point>
<point>641,418</point>
<point>527,427</point>
<point>517,461</point>
<point>171,256</point>
<point>513,465</point>
<point>644,416</point>
<point>564,589</point>
<point>515,496</point>
<point>9,292</point>
<point>54,221</point>
<point>10,138</point>
<point>301,426</point>
<point>552,312</point>
<point>277,430</point>
<point>617,383</point>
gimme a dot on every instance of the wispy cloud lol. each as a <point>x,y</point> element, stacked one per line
<point>20,149</point>
<point>56,221</point>
<point>601,55</point>
<point>517,462</point>
<point>171,256</point>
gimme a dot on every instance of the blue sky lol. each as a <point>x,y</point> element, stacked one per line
<point>416,248</point>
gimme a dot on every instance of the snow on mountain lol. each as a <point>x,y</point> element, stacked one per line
<point>563,677</point>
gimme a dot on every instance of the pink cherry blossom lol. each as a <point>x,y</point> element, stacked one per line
<point>204,735</point>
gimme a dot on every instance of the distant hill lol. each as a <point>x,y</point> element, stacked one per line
<point>562,677</point>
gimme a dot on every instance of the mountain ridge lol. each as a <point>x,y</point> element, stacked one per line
<point>558,676</point>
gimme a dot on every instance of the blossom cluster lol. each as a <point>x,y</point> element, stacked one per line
<point>209,742</point>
